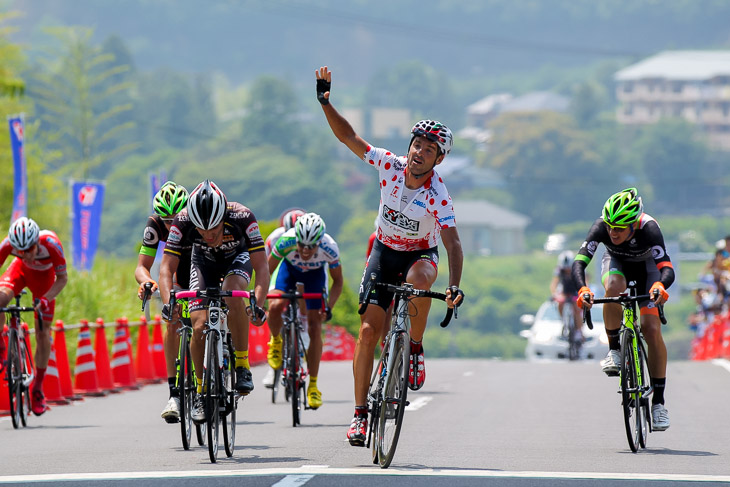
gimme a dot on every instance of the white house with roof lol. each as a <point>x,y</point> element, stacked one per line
<point>693,85</point>
<point>489,229</point>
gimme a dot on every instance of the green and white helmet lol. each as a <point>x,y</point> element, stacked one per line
<point>310,229</point>
<point>623,208</point>
<point>170,200</point>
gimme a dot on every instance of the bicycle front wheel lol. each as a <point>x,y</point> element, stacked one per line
<point>229,403</point>
<point>185,387</point>
<point>294,386</point>
<point>394,402</point>
<point>212,386</point>
<point>630,393</point>
<point>643,410</point>
<point>14,376</point>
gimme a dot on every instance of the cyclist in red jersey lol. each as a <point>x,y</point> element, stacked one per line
<point>415,213</point>
<point>41,267</point>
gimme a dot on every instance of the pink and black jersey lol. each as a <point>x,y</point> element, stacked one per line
<point>409,219</point>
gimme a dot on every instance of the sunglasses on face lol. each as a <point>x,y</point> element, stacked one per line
<point>307,247</point>
<point>167,220</point>
<point>429,135</point>
<point>616,227</point>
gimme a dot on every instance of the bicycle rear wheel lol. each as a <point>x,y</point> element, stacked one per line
<point>14,377</point>
<point>275,385</point>
<point>295,390</point>
<point>212,386</point>
<point>394,402</point>
<point>229,403</point>
<point>185,387</point>
<point>630,394</point>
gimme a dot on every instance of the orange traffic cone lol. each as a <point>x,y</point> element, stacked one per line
<point>103,364</point>
<point>62,363</point>
<point>4,397</point>
<point>52,384</point>
<point>122,370</point>
<point>158,349</point>
<point>85,379</point>
<point>143,365</point>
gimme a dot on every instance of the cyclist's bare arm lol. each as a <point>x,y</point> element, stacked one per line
<point>57,287</point>
<point>168,266</point>
<point>339,125</point>
<point>273,263</point>
<point>337,284</point>
<point>261,280</point>
<point>144,264</point>
<point>452,243</point>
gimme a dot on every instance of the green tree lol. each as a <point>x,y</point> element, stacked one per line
<point>11,60</point>
<point>71,88</point>
<point>271,116</point>
<point>543,156</point>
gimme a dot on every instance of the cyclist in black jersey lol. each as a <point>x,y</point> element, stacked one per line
<point>227,247</point>
<point>167,203</point>
<point>635,251</point>
<point>563,289</point>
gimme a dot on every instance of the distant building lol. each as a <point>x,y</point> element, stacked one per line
<point>693,85</point>
<point>489,229</point>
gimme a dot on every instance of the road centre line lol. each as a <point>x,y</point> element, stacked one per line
<point>392,471</point>
<point>418,403</point>
<point>293,481</point>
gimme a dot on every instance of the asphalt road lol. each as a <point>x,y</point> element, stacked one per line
<point>475,422</point>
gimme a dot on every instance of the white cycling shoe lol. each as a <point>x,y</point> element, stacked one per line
<point>611,364</point>
<point>659,418</point>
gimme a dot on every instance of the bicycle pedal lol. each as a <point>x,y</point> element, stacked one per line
<point>408,403</point>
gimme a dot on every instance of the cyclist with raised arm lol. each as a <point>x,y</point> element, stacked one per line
<point>635,251</point>
<point>170,200</point>
<point>302,254</point>
<point>415,212</point>
<point>564,291</point>
<point>40,265</point>
<point>286,221</point>
<point>227,248</point>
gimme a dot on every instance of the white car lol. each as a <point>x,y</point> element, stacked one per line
<point>545,335</point>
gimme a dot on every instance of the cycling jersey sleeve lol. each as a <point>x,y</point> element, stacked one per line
<point>659,253</point>
<point>153,234</point>
<point>53,245</point>
<point>596,235</point>
<point>5,249</point>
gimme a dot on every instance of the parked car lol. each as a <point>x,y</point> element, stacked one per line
<point>545,336</point>
<point>555,243</point>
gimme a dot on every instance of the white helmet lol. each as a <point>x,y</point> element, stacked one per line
<point>206,205</point>
<point>565,259</point>
<point>310,229</point>
<point>23,233</point>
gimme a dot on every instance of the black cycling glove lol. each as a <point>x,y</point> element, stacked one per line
<point>323,86</point>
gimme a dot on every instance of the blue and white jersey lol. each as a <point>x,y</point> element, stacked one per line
<point>327,253</point>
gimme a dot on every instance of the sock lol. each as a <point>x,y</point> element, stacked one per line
<point>361,411</point>
<point>242,359</point>
<point>40,374</point>
<point>658,394</point>
<point>312,381</point>
<point>613,339</point>
<point>200,386</point>
<point>171,384</point>
<point>416,347</point>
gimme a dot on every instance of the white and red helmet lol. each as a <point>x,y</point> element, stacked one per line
<point>435,132</point>
<point>23,233</point>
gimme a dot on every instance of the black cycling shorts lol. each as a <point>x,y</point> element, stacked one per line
<point>390,267</point>
<point>208,273</point>
<point>643,273</point>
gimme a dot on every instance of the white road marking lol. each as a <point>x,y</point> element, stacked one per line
<point>724,363</point>
<point>309,471</point>
<point>293,481</point>
<point>418,403</point>
<point>468,373</point>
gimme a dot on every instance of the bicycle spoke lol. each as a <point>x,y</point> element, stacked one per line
<point>393,404</point>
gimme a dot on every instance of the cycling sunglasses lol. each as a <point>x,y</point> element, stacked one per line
<point>429,135</point>
<point>167,220</point>
<point>616,227</point>
<point>308,247</point>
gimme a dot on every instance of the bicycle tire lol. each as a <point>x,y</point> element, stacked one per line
<point>14,379</point>
<point>643,413</point>
<point>294,375</point>
<point>375,393</point>
<point>275,385</point>
<point>212,382</point>
<point>629,390</point>
<point>26,367</point>
<point>393,405</point>
<point>228,398</point>
<point>201,434</point>
<point>286,366</point>
<point>186,388</point>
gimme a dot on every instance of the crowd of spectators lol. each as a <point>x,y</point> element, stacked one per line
<point>713,292</point>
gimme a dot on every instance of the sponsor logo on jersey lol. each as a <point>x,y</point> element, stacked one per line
<point>419,203</point>
<point>394,193</point>
<point>657,252</point>
<point>253,231</point>
<point>400,220</point>
<point>150,235</point>
<point>175,235</point>
<point>591,246</point>
<point>446,218</point>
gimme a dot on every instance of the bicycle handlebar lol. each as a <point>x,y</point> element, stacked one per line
<point>147,293</point>
<point>408,291</point>
<point>216,293</point>
<point>623,298</point>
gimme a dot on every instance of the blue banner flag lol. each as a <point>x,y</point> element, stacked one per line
<point>20,188</point>
<point>86,206</point>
